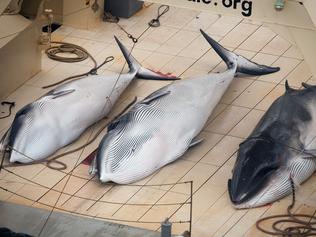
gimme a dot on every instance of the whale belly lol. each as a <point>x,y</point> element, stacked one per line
<point>55,120</point>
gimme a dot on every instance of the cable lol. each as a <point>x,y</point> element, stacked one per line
<point>153,23</point>
<point>81,54</point>
<point>301,151</point>
<point>11,105</point>
<point>103,201</point>
<point>89,215</point>
<point>130,36</point>
<point>156,22</point>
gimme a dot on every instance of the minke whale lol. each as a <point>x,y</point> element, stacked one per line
<point>160,128</point>
<point>279,152</point>
<point>59,117</point>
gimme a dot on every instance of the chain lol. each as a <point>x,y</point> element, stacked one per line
<point>153,23</point>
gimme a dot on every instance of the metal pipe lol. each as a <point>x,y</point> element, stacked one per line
<point>166,227</point>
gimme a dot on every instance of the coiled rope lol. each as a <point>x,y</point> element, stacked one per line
<point>298,226</point>
<point>82,54</point>
<point>79,53</point>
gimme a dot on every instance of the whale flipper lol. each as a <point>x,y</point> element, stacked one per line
<point>57,94</point>
<point>195,141</point>
<point>93,167</point>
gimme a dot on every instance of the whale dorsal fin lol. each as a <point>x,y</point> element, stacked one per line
<point>155,96</point>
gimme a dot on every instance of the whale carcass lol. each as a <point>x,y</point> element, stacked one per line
<point>59,117</point>
<point>160,128</point>
<point>279,153</point>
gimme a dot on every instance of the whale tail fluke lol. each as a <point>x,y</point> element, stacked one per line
<point>142,72</point>
<point>244,65</point>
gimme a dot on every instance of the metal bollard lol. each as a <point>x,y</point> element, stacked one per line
<point>166,228</point>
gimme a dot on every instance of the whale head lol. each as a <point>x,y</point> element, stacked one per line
<point>267,169</point>
<point>30,137</point>
<point>274,157</point>
<point>260,165</point>
<point>129,153</point>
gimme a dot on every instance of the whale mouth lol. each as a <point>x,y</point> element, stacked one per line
<point>252,194</point>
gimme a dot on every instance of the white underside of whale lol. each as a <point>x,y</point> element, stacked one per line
<point>58,119</point>
<point>171,122</point>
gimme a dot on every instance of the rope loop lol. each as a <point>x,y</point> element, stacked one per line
<point>62,166</point>
<point>78,53</point>
<point>81,54</point>
<point>156,22</point>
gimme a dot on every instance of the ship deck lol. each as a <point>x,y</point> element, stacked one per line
<point>175,47</point>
